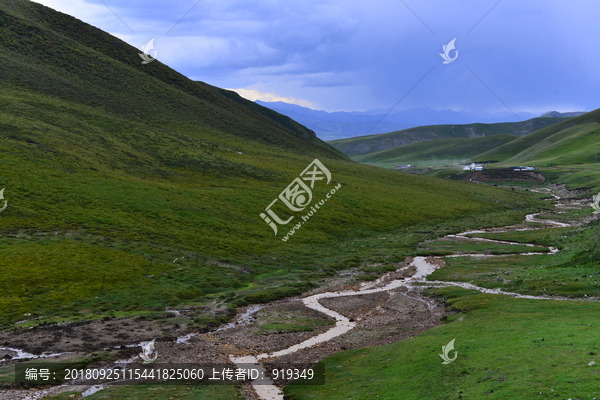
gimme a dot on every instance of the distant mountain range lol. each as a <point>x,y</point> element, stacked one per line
<point>342,124</point>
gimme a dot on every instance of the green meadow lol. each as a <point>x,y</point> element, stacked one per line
<point>506,349</point>
<point>568,142</point>
<point>445,247</point>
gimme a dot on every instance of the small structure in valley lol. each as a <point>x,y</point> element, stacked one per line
<point>473,167</point>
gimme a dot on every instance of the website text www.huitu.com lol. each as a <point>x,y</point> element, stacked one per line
<point>313,209</point>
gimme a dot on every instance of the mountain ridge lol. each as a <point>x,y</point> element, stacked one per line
<point>362,145</point>
<point>563,114</point>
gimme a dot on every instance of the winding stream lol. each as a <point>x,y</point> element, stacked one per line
<point>423,269</point>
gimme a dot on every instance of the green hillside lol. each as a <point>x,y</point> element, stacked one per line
<point>373,143</point>
<point>576,145</point>
<point>113,169</point>
<point>569,142</point>
<point>58,56</point>
<point>457,149</point>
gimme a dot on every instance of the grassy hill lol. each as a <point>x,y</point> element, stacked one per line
<point>458,149</point>
<point>113,169</point>
<point>373,143</point>
<point>569,142</point>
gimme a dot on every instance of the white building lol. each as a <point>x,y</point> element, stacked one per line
<point>473,167</point>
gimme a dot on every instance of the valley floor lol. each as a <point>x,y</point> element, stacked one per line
<point>391,309</point>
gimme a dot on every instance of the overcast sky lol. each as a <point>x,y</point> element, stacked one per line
<point>350,55</point>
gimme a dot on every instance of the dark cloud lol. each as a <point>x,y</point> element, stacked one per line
<point>350,55</point>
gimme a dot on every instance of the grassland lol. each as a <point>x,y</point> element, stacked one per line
<point>583,176</point>
<point>507,349</point>
<point>512,348</point>
<point>131,189</point>
<point>440,247</point>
